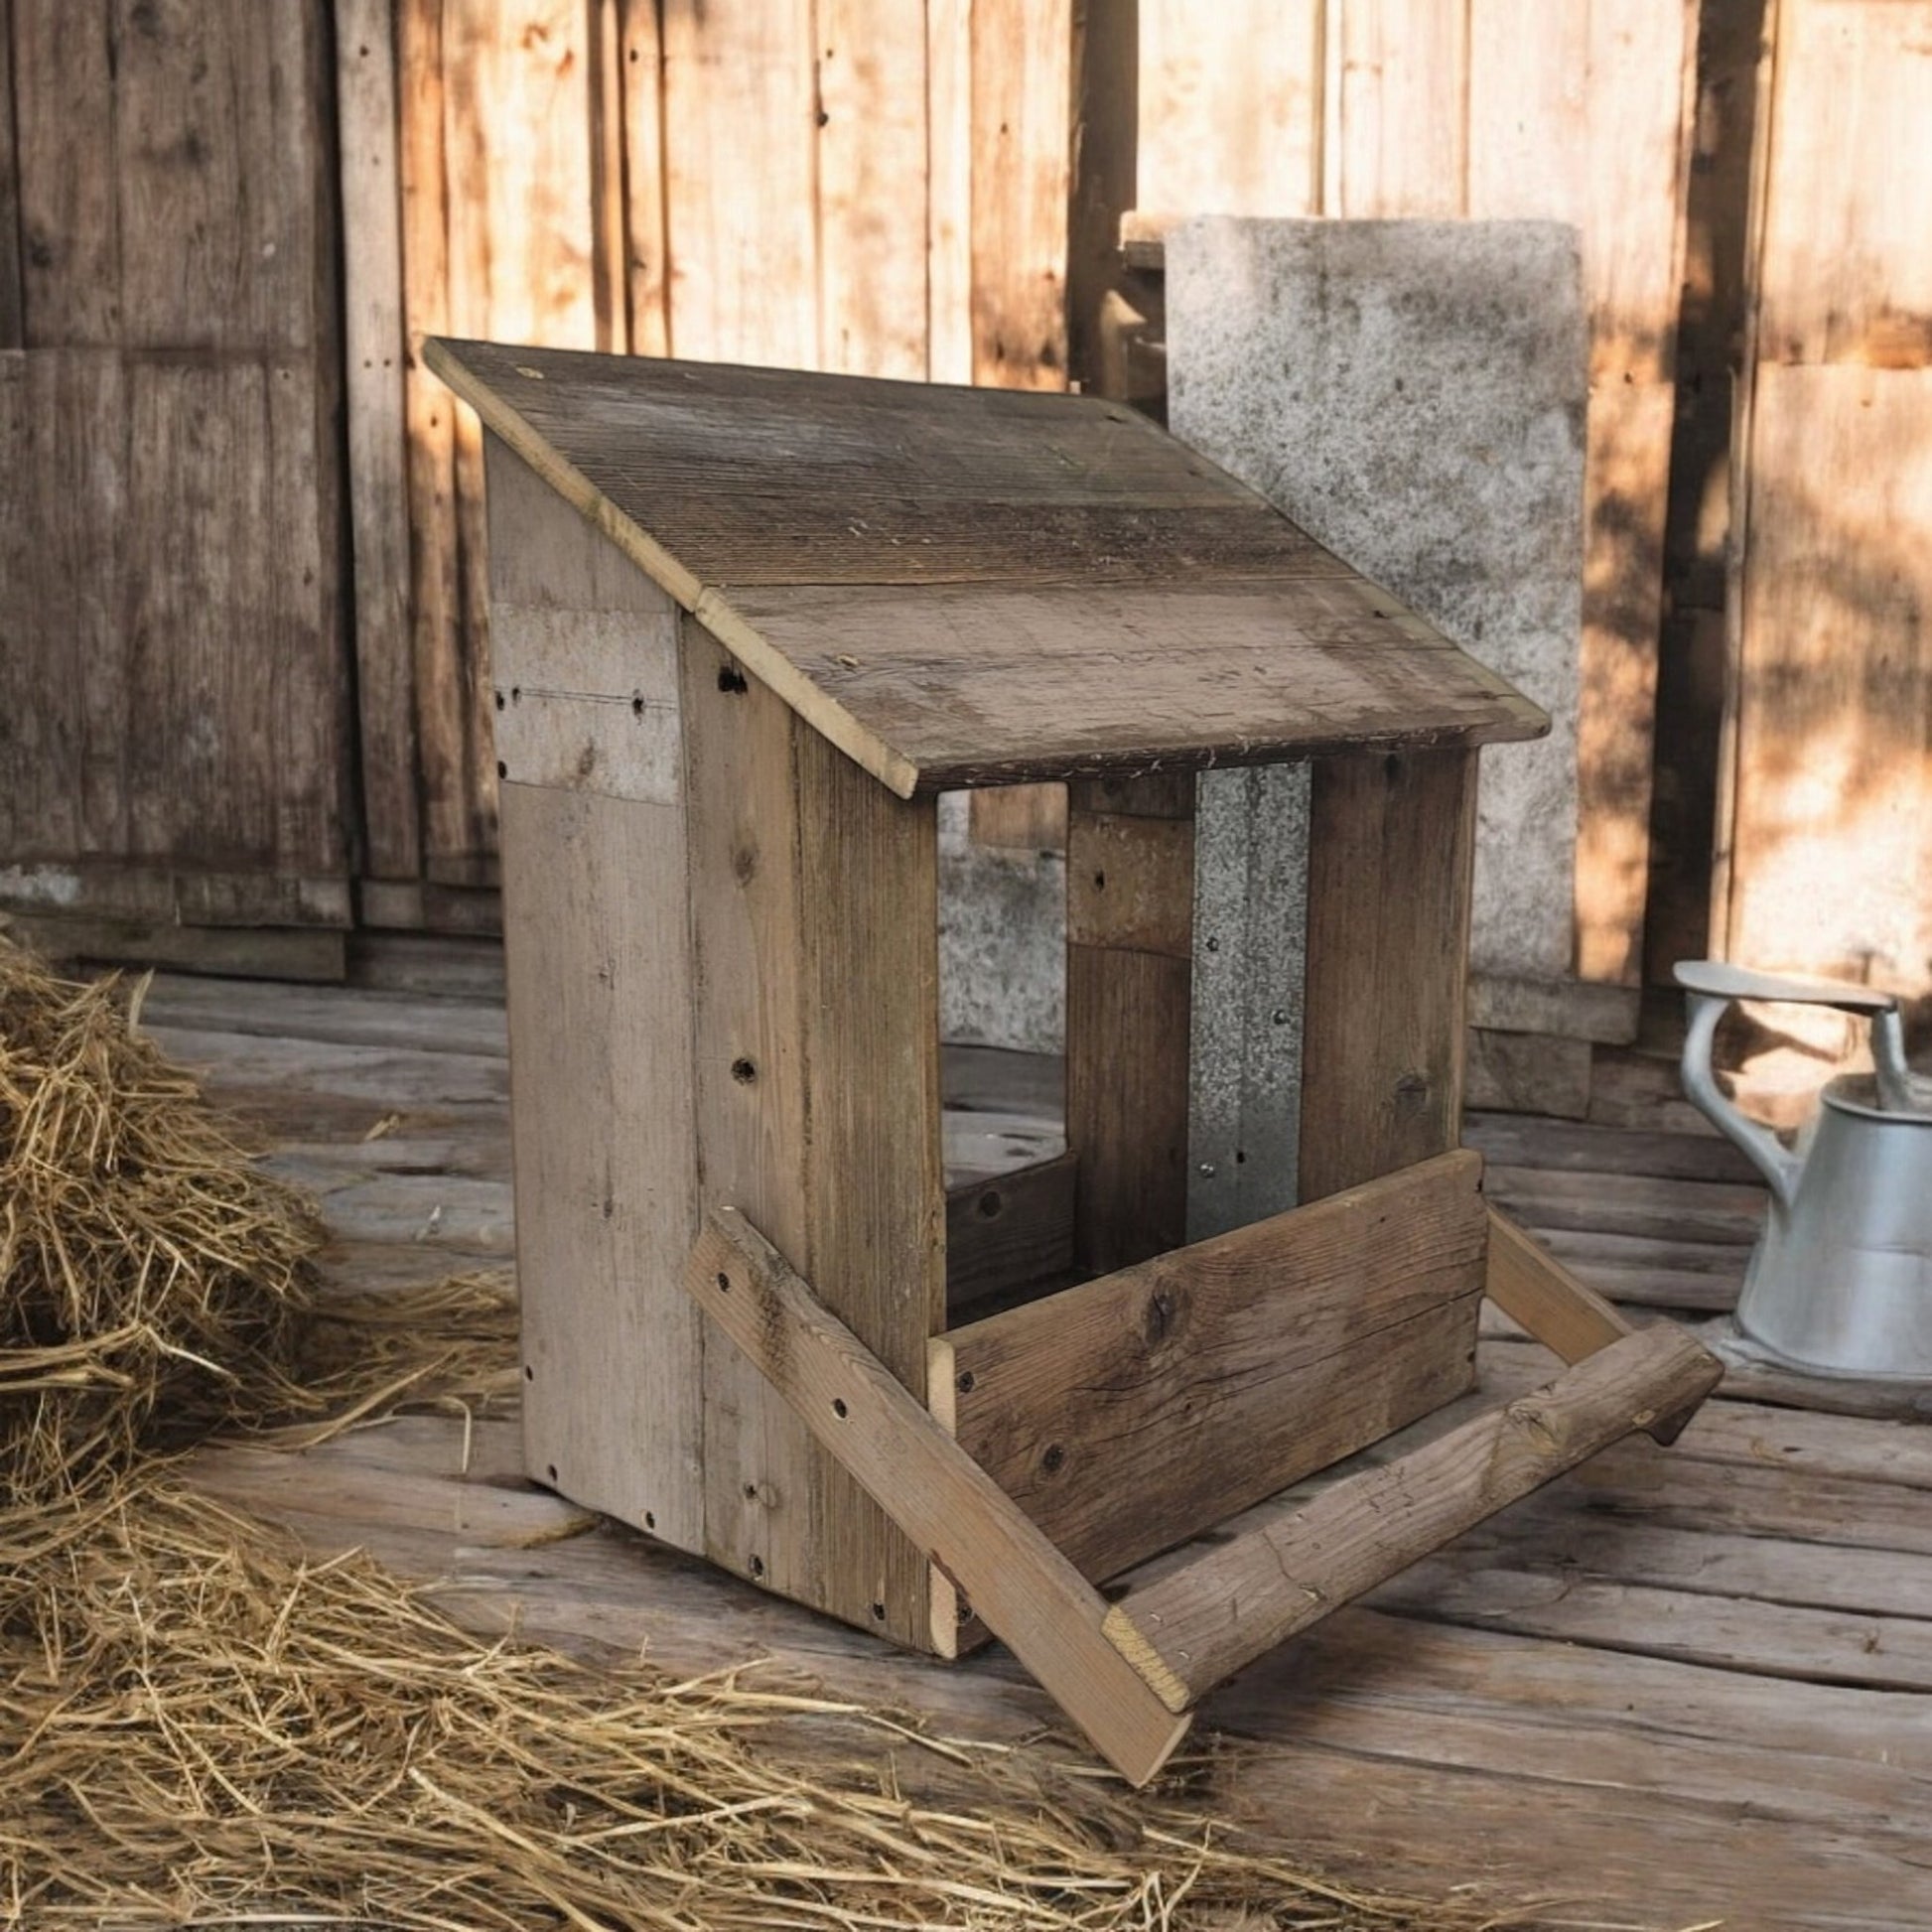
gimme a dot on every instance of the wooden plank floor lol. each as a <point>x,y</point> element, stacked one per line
<point>1679,1687</point>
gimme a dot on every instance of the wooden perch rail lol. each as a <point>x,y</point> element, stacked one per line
<point>1128,1676</point>
<point>1202,1624</point>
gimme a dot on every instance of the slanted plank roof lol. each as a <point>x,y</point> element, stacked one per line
<point>982,586</point>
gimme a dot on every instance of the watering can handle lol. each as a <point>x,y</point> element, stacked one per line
<point>1713,986</point>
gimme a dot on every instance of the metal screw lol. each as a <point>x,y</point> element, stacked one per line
<point>1280,1016</point>
<point>1207,1170</point>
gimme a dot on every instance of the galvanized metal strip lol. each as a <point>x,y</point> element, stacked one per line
<point>1251,863</point>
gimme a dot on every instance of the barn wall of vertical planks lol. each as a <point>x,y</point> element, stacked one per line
<point>173,743</point>
<point>1484,109</point>
<point>1825,793</point>
<point>877,186</point>
<point>224,229</point>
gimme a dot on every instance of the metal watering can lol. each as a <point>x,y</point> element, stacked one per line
<point>1841,1280</point>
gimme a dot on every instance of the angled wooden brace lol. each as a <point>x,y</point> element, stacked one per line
<point>1570,1320</point>
<point>1024,1589</point>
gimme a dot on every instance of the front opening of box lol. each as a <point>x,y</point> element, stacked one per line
<point>1009,1176</point>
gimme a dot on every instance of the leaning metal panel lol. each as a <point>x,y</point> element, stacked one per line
<point>1251,891</point>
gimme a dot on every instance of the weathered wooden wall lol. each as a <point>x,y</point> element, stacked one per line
<point>907,188</point>
<point>1690,654</point>
<point>173,670</point>
<point>1826,786</point>
<point>873,185</point>
<point>1573,111</point>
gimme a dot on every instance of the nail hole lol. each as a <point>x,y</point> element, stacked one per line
<point>838,1407</point>
<point>879,1614</point>
<point>551,1469</point>
<point>965,1383</point>
<point>724,1284</point>
<point>1054,1459</point>
<point>731,679</point>
<point>757,1565</point>
<point>1099,881</point>
<point>516,694</point>
<point>990,1202</point>
<point>744,1072</point>
<point>502,701</point>
<point>650,1520</point>
<point>529,1374</point>
<point>502,769</point>
<point>751,1492</point>
<point>637,707</point>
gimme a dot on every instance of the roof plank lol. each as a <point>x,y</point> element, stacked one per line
<point>979,586</point>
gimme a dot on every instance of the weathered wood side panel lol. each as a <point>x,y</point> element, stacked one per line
<point>1825,839</point>
<point>13,315</point>
<point>1130,905</point>
<point>174,485</point>
<point>1022,83</point>
<point>375,356</point>
<point>871,187</point>
<point>236,751</point>
<point>70,211</point>
<point>814,921</point>
<point>1391,849</point>
<point>1197,152</point>
<point>219,157</point>
<point>603,1113</point>
<point>739,153</point>
<point>605,1157</point>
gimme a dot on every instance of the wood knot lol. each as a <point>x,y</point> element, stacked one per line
<point>1530,1417</point>
<point>1161,1316</point>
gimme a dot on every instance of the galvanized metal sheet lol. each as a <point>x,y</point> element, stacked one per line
<point>1250,874</point>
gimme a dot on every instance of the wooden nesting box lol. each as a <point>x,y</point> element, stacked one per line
<point>748,625</point>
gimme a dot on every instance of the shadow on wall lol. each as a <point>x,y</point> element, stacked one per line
<point>1632,413</point>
